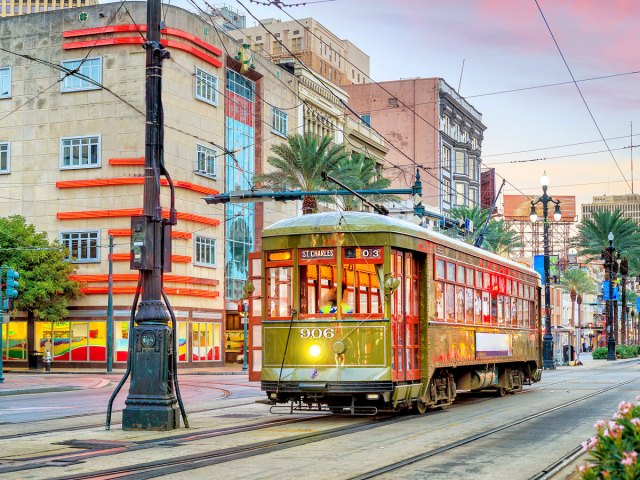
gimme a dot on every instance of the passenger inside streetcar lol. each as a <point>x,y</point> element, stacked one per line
<point>329,303</point>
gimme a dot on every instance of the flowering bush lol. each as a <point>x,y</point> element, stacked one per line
<point>613,451</point>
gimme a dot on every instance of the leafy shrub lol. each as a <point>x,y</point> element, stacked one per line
<point>600,353</point>
<point>624,351</point>
<point>613,451</point>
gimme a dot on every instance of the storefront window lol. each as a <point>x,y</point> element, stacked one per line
<point>79,342</point>
<point>181,331</point>
<point>14,341</point>
<point>121,341</point>
<point>205,341</point>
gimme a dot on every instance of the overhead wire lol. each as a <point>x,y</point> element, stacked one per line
<point>564,60</point>
<point>342,102</point>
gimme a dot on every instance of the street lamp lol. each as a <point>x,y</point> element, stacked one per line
<point>609,259</point>
<point>547,339</point>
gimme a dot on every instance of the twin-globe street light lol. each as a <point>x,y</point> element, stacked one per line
<point>547,339</point>
<point>609,259</point>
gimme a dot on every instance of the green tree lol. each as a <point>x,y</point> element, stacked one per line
<point>297,165</point>
<point>592,237</point>
<point>45,288</point>
<point>359,172</point>
<point>499,237</point>
<point>578,283</point>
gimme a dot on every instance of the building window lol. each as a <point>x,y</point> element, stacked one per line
<point>446,190</point>
<point>473,193</point>
<point>279,122</point>
<point>82,246</point>
<point>474,143</point>
<point>206,87</point>
<point>296,44</point>
<point>206,161</point>
<point>5,82</point>
<point>5,157</point>
<point>473,168</point>
<point>205,254</point>
<point>277,47</point>
<point>80,152</point>
<point>461,163</point>
<point>89,72</point>
<point>446,157</point>
<point>366,119</point>
<point>461,194</point>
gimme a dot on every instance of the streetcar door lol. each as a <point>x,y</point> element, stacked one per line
<point>255,317</point>
<point>405,318</point>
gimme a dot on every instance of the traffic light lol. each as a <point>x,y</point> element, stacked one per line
<point>12,283</point>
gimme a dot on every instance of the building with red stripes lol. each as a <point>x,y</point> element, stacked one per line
<point>72,142</point>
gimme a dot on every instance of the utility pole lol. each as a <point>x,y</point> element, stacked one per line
<point>151,403</point>
<point>110,310</point>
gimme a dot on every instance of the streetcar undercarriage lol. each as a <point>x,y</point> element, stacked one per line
<point>370,398</point>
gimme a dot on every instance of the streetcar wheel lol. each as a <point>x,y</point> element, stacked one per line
<point>501,391</point>
<point>419,408</point>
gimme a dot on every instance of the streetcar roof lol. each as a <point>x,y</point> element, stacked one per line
<point>332,222</point>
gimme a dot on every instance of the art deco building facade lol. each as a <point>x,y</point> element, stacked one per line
<point>71,163</point>
<point>629,206</point>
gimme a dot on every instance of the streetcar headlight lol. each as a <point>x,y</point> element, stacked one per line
<point>372,396</point>
<point>314,351</point>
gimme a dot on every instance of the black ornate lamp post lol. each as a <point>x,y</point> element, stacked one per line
<point>609,259</point>
<point>547,339</point>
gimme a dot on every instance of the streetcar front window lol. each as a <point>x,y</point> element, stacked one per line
<point>346,289</point>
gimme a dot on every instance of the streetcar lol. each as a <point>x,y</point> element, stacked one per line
<point>360,313</point>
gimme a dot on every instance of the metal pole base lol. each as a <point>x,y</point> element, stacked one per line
<point>547,353</point>
<point>151,403</point>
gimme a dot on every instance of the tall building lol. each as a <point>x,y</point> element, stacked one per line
<point>629,205</point>
<point>425,121</point>
<point>11,8</point>
<point>337,60</point>
<point>72,164</point>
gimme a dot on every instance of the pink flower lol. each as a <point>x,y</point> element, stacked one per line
<point>589,444</point>
<point>629,458</point>
<point>625,407</point>
<point>635,421</point>
<point>600,424</point>
<point>615,430</point>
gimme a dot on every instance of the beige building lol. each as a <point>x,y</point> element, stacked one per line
<point>337,60</point>
<point>323,113</point>
<point>23,7</point>
<point>72,163</point>
<point>629,205</point>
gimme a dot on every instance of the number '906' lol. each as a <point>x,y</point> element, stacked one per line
<point>317,333</point>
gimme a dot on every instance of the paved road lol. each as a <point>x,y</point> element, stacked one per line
<point>225,420</point>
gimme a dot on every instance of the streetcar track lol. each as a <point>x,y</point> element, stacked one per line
<point>96,425</point>
<point>478,436</point>
<point>122,447</point>
<point>549,472</point>
<point>180,464</point>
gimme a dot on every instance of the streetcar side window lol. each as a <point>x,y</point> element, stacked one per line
<point>279,294</point>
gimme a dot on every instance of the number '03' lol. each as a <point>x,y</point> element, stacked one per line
<point>317,333</point>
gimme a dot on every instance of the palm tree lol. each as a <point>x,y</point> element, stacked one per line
<point>592,240</point>
<point>297,165</point>
<point>359,172</point>
<point>499,236</point>
<point>592,237</point>
<point>578,283</point>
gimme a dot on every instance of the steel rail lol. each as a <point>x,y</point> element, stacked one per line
<point>473,438</point>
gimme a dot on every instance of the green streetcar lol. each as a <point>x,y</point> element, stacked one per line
<point>361,313</point>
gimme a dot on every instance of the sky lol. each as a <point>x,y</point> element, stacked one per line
<point>506,45</point>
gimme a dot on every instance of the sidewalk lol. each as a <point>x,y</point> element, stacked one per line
<point>20,381</point>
